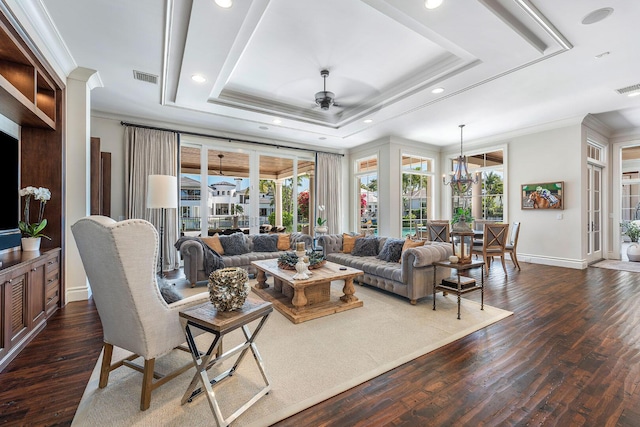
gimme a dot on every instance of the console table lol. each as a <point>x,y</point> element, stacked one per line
<point>219,323</point>
<point>459,284</point>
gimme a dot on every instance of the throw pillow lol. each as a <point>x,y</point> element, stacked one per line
<point>265,243</point>
<point>365,247</point>
<point>392,250</point>
<point>408,243</point>
<point>214,243</point>
<point>169,292</point>
<point>235,244</point>
<point>348,242</point>
<point>284,242</point>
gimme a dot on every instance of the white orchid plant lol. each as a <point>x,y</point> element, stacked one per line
<point>34,229</point>
<point>319,220</point>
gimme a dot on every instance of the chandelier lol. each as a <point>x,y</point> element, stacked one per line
<point>461,178</point>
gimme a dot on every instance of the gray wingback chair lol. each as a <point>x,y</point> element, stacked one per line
<point>120,260</point>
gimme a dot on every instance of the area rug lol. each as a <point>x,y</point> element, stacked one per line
<point>306,363</point>
<point>618,265</point>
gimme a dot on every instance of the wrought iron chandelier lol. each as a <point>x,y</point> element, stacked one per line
<point>461,178</point>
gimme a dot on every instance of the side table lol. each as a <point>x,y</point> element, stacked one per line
<point>219,323</point>
<point>459,284</point>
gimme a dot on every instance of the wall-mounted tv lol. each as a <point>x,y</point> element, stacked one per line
<point>9,189</point>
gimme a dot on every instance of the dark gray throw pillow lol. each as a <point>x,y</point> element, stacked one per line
<point>365,247</point>
<point>392,250</point>
<point>235,244</point>
<point>265,243</point>
<point>169,292</point>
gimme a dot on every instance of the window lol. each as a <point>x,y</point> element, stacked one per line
<point>486,199</point>
<point>417,193</point>
<point>366,174</point>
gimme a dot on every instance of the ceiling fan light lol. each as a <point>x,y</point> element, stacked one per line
<point>325,99</point>
<point>225,4</point>
<point>432,4</point>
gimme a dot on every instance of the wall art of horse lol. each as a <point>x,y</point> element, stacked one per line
<point>543,196</point>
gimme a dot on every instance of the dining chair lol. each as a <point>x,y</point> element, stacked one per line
<point>438,231</point>
<point>478,230</point>
<point>512,244</point>
<point>120,260</point>
<point>494,241</point>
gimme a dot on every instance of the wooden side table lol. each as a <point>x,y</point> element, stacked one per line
<point>459,284</point>
<point>219,323</point>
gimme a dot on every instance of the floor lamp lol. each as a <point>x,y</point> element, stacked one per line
<point>162,193</point>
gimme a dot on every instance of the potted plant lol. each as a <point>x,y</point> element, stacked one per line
<point>632,230</point>
<point>32,232</point>
<point>321,227</point>
<point>461,219</point>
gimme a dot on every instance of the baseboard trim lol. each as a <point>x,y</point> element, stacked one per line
<point>77,294</point>
<point>578,264</point>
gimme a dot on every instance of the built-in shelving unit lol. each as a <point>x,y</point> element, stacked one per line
<point>32,96</point>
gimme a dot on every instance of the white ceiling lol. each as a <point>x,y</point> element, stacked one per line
<point>500,69</point>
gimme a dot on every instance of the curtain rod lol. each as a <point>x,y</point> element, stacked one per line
<point>227,139</point>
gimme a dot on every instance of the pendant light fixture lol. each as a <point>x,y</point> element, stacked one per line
<point>461,178</point>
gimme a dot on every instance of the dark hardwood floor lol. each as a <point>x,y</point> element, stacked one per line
<point>570,355</point>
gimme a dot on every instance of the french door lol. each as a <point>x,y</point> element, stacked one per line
<point>594,213</point>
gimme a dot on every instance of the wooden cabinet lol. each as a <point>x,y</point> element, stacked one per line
<point>32,95</point>
<point>29,294</point>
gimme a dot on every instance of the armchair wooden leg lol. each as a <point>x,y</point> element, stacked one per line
<point>147,384</point>
<point>105,368</point>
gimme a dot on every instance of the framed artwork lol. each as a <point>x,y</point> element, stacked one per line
<point>546,195</point>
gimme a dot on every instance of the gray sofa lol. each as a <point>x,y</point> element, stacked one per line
<point>192,254</point>
<point>412,278</point>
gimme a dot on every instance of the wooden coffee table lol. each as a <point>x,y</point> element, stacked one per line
<point>302,300</point>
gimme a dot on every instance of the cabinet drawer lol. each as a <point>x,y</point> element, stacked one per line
<point>52,297</point>
<point>53,276</point>
<point>53,264</point>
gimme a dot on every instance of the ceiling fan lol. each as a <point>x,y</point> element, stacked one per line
<point>325,99</point>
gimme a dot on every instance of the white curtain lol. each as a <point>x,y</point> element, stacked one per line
<point>152,152</point>
<point>329,188</point>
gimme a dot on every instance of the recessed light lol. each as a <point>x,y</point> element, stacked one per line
<point>198,78</point>
<point>263,128</point>
<point>438,90</point>
<point>225,4</point>
<point>432,4</point>
<point>597,15</point>
<point>601,55</point>
<point>632,94</point>
<point>368,121</point>
<point>277,121</point>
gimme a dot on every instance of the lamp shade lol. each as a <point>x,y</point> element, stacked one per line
<point>162,191</point>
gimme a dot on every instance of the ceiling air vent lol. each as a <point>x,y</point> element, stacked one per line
<point>629,89</point>
<point>145,77</point>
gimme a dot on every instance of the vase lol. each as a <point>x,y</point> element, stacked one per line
<point>31,243</point>
<point>321,229</point>
<point>633,252</point>
<point>228,288</point>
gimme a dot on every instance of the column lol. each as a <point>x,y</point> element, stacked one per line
<point>278,197</point>
<point>312,202</point>
<point>77,171</point>
<point>476,199</point>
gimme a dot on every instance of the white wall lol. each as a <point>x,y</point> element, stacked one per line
<point>548,236</point>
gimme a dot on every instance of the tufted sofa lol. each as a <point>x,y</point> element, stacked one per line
<point>412,278</point>
<point>192,253</point>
